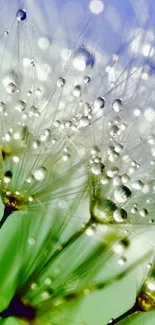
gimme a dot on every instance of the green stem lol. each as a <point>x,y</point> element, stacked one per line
<point>6,214</point>
<point>132,311</point>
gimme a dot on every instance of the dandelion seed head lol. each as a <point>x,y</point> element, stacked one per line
<point>96,6</point>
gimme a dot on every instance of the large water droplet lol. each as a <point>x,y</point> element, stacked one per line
<point>83,59</point>
<point>102,210</point>
<point>117,105</point>
<point>122,194</point>
<point>20,106</point>
<point>120,215</point>
<point>99,103</point>
<point>21,15</point>
<point>40,173</point>
<point>11,87</point>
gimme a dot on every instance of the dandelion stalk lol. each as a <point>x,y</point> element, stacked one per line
<point>132,311</point>
<point>18,309</point>
<point>7,212</point>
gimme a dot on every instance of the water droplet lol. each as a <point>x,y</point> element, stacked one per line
<point>48,281</point>
<point>96,168</point>
<point>36,144</point>
<point>77,91</point>
<point>114,131</point>
<point>117,105</point>
<point>118,147</point>
<point>143,212</point>
<point>103,210</point>
<point>7,177</point>
<point>20,106</point>
<point>33,286</point>
<point>21,14</point>
<point>120,215</point>
<point>45,295</point>
<point>94,151</point>
<point>86,79</point>
<point>30,179</point>
<point>83,59</point>
<point>149,266</point>
<point>40,173</point>
<point>3,107</point>
<point>84,121</point>
<point>120,246</point>
<point>31,241</point>
<point>34,111</point>
<point>57,123</point>
<point>122,194</point>
<point>61,82</point>
<point>138,185</point>
<point>122,260</point>
<point>11,87</point>
<point>66,156</point>
<point>125,178</point>
<point>99,103</point>
<point>16,159</point>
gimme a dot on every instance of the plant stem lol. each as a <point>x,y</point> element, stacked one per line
<point>6,214</point>
<point>133,310</point>
<point>18,309</point>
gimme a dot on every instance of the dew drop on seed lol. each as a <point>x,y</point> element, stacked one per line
<point>77,91</point>
<point>99,103</point>
<point>103,210</point>
<point>83,59</point>
<point>138,185</point>
<point>34,111</point>
<point>122,260</point>
<point>120,215</point>
<point>125,178</point>
<point>120,246</point>
<point>61,82</point>
<point>31,241</point>
<point>48,281</point>
<point>33,286</point>
<point>7,177</point>
<point>57,123</point>
<point>118,147</point>
<point>3,107</point>
<point>21,15</point>
<point>114,130</point>
<point>35,144</point>
<point>96,168</point>
<point>30,179</point>
<point>66,157</point>
<point>16,159</point>
<point>86,79</point>
<point>117,105</point>
<point>143,212</point>
<point>84,121</point>
<point>11,88</point>
<point>122,194</point>
<point>40,173</point>
<point>20,106</point>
